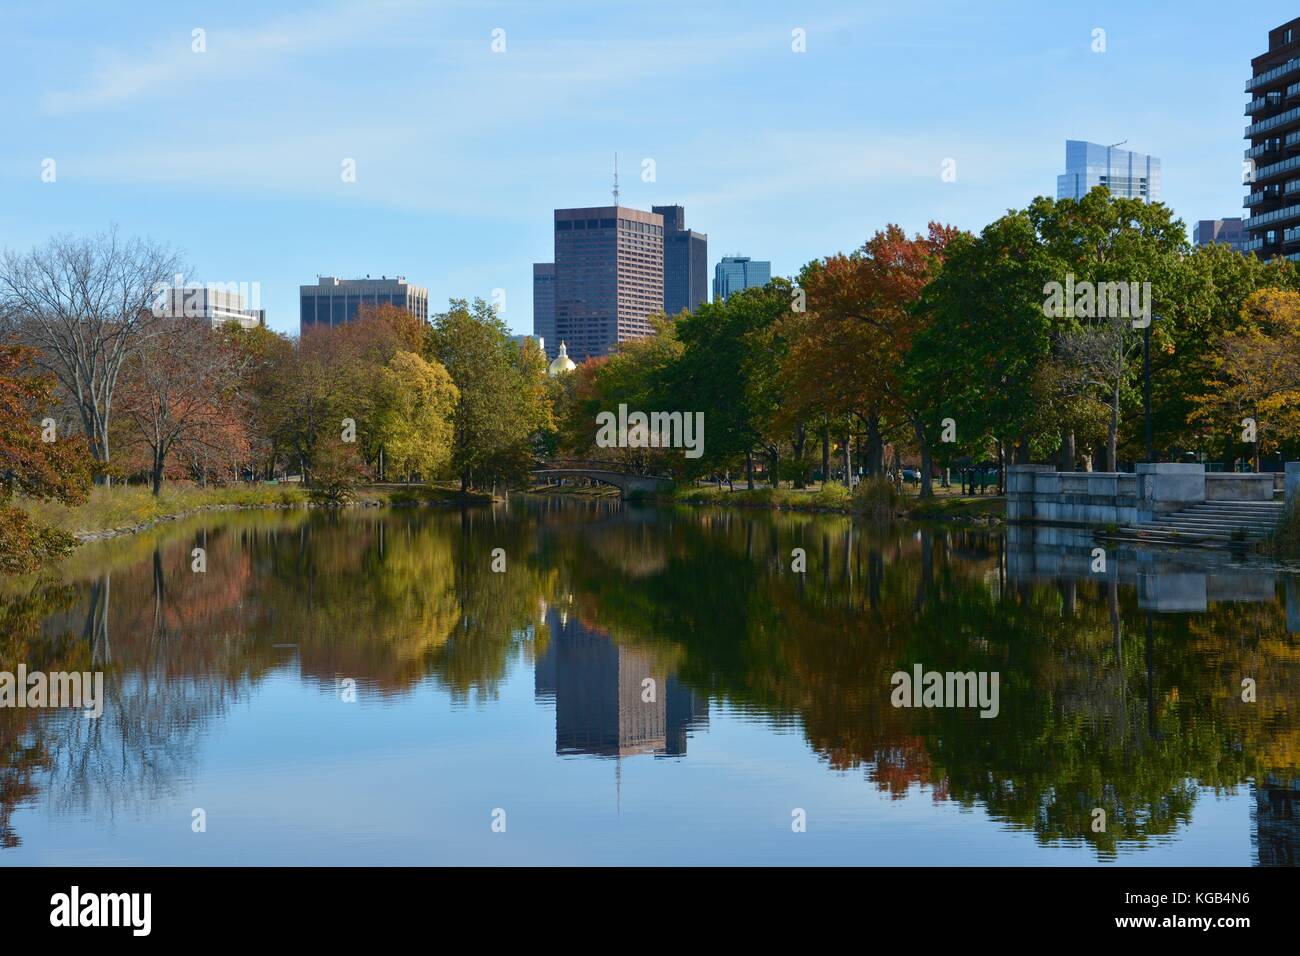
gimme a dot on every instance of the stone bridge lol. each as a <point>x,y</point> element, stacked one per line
<point>622,476</point>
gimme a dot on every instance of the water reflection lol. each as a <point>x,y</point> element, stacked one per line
<point>612,701</point>
<point>644,628</point>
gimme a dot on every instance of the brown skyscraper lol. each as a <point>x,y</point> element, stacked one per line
<point>1273,226</point>
<point>609,277</point>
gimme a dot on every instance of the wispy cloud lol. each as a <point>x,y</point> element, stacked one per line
<point>171,68</point>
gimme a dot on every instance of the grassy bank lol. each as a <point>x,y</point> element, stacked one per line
<point>874,499</point>
<point>123,508</point>
<point>1285,541</point>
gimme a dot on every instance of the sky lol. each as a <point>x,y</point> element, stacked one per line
<point>468,122</point>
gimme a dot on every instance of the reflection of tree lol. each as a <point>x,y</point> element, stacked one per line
<point>23,754</point>
<point>1092,716</point>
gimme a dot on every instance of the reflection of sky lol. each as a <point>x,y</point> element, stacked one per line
<point>291,775</point>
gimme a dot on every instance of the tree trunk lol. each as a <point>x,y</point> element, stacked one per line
<point>826,456</point>
<point>927,487</point>
<point>774,456</point>
<point>1065,457</point>
<point>1112,432</point>
<point>1022,449</point>
<point>848,464</point>
<point>749,470</point>
<point>875,457</point>
<point>797,449</point>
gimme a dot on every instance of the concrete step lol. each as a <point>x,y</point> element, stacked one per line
<point>1260,508</point>
<point>1241,505</point>
<point>1219,522</point>
<point>1168,531</point>
<point>1218,516</point>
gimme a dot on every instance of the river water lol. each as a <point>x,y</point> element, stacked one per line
<point>561,681</point>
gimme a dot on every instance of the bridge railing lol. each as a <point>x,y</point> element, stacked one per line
<point>595,464</point>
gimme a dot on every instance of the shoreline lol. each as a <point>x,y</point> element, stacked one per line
<point>987,510</point>
<point>111,524</point>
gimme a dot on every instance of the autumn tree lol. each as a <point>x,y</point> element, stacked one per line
<point>1256,372</point>
<point>865,304</point>
<point>35,462</point>
<point>414,404</point>
<point>180,391</point>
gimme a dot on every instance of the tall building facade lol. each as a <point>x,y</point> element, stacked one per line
<point>334,301</point>
<point>609,277</point>
<point>213,304</point>
<point>544,306</point>
<point>686,262</point>
<point>1226,231</point>
<point>1273,153</point>
<point>1126,174</point>
<point>734,273</point>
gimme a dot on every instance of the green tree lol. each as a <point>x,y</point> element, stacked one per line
<point>500,405</point>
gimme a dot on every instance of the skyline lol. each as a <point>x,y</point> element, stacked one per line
<point>233,155</point>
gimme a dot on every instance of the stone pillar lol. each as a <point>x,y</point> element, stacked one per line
<point>1164,487</point>
<point>1292,483</point>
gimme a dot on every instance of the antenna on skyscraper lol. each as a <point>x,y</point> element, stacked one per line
<point>616,179</point>
<point>1120,143</point>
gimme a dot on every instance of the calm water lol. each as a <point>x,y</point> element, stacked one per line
<point>525,692</point>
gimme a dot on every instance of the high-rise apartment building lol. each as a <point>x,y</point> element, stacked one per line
<point>544,306</point>
<point>1126,174</point>
<point>686,262</point>
<point>609,277</point>
<point>734,273</point>
<point>1226,231</point>
<point>334,301</point>
<point>1273,154</point>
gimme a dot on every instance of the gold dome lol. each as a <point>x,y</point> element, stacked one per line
<point>562,362</point>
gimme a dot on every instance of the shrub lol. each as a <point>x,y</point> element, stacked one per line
<point>1285,541</point>
<point>875,498</point>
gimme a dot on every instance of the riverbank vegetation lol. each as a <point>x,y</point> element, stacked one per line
<point>949,351</point>
<point>918,354</point>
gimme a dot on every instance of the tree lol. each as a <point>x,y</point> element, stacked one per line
<point>1256,371</point>
<point>415,402</point>
<point>35,463</point>
<point>179,391</point>
<point>1106,241</point>
<point>87,305</point>
<point>725,371</point>
<point>501,388</point>
<point>868,305</point>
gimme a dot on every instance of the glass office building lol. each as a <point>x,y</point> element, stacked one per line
<point>686,262</point>
<point>1227,232</point>
<point>1126,174</point>
<point>544,306</point>
<point>734,273</point>
<point>334,301</point>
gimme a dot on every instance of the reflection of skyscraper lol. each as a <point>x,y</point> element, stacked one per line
<point>600,689</point>
<point>1276,818</point>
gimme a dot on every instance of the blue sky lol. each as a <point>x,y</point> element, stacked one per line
<point>234,155</point>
